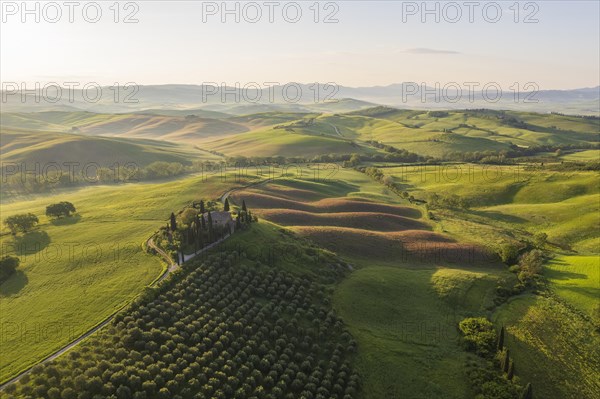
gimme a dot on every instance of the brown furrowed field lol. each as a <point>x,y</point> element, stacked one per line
<point>372,221</point>
<point>357,228</point>
<point>259,200</point>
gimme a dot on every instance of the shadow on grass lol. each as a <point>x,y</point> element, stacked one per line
<point>66,221</point>
<point>499,216</point>
<point>14,284</point>
<point>31,243</point>
<point>564,274</point>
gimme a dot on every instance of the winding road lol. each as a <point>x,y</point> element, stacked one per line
<point>337,131</point>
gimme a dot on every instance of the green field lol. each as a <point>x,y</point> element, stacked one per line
<point>43,148</point>
<point>553,346</point>
<point>403,314</point>
<point>75,272</point>
<point>576,279</point>
<point>397,258</point>
<point>405,323</point>
<point>589,155</point>
<point>508,202</point>
<point>428,133</point>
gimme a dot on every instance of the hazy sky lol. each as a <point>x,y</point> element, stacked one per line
<point>373,43</point>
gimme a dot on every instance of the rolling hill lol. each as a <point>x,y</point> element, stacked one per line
<point>308,133</point>
<point>329,97</point>
<point>31,147</point>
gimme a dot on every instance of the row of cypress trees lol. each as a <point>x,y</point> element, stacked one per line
<point>507,365</point>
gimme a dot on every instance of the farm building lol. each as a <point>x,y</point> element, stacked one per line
<point>221,219</point>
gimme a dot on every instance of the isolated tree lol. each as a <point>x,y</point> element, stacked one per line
<point>21,222</point>
<point>226,205</point>
<point>8,265</point>
<point>527,392</point>
<point>173,222</point>
<point>63,208</point>
<point>500,344</point>
<point>244,206</point>
<point>202,210</point>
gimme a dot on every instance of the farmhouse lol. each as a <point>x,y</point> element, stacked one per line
<point>221,219</point>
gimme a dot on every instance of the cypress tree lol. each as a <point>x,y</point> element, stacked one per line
<point>173,222</point>
<point>244,206</point>
<point>196,241</point>
<point>203,222</point>
<point>210,228</point>
<point>249,217</point>
<point>505,361</point>
<point>202,206</point>
<point>238,223</point>
<point>511,369</point>
<point>226,206</point>
<point>527,392</point>
<point>500,344</point>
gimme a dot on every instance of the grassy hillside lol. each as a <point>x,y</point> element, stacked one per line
<point>227,325</point>
<point>294,139</point>
<point>589,155</point>
<point>401,309</point>
<point>40,147</point>
<point>437,133</point>
<point>576,279</point>
<point>188,127</point>
<point>553,346</point>
<point>94,260</point>
<point>405,323</point>
<point>427,133</point>
<point>414,265</point>
<point>509,202</point>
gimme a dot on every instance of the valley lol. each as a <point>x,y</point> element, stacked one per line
<point>401,218</point>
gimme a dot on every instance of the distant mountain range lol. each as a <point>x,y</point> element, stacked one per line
<point>215,101</point>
